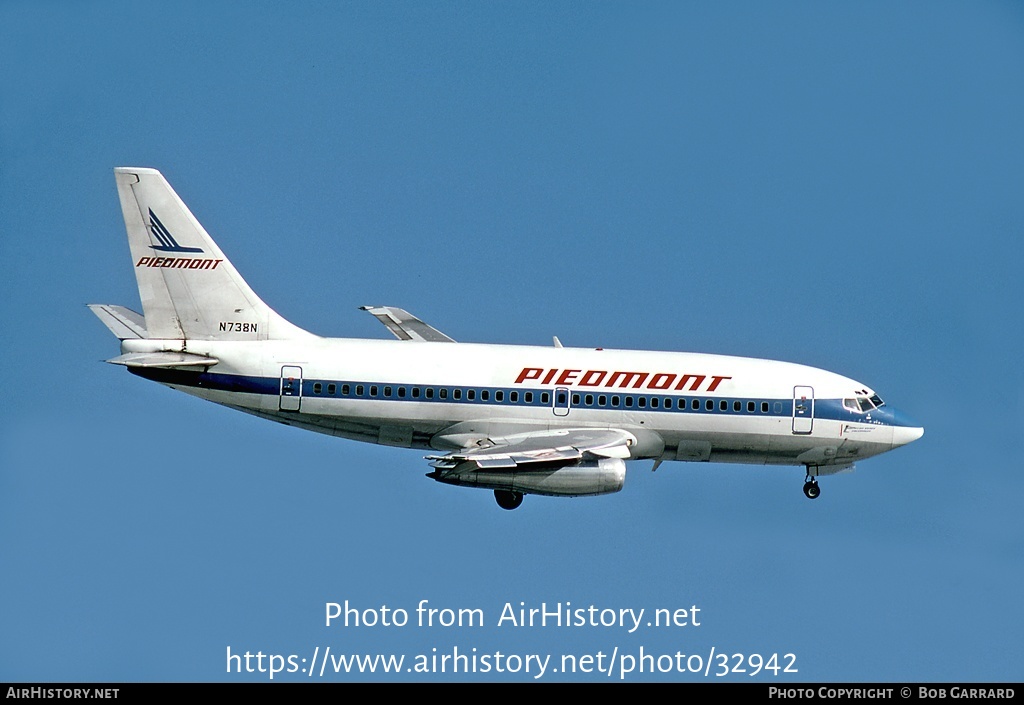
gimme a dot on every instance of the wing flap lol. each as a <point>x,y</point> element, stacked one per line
<point>494,463</point>
<point>559,446</point>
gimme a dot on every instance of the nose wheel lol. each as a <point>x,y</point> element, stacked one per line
<point>811,489</point>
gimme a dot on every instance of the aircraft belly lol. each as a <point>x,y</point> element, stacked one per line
<point>704,439</point>
<point>236,400</point>
<point>769,442</point>
<point>367,430</point>
<point>738,453</point>
<point>829,444</point>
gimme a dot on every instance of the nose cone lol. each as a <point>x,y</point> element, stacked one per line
<point>902,435</point>
<point>905,429</point>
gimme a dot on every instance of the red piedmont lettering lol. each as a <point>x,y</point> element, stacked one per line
<point>715,381</point>
<point>567,376</point>
<point>528,373</point>
<point>697,381</point>
<point>592,378</point>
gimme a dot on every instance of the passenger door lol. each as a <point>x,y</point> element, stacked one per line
<point>803,410</point>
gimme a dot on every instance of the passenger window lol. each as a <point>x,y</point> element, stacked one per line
<point>615,401</point>
<point>373,391</point>
<point>430,392</point>
<point>642,402</point>
<point>629,402</point>
<point>317,388</point>
<point>345,390</point>
<point>589,399</point>
<point>401,392</point>
<point>443,392</point>
<point>709,405</point>
<point>602,400</point>
<point>654,402</point>
<point>499,396</point>
<point>457,394</point>
<point>387,391</point>
<point>528,397</point>
<point>332,389</point>
<point>485,395</point>
<point>735,406</point>
<point>750,407</point>
<point>471,394</point>
<point>764,407</point>
<point>359,390</point>
<point>695,404</point>
<point>513,397</point>
<point>415,392</point>
<point>575,399</point>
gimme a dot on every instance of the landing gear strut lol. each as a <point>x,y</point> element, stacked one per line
<point>507,499</point>
<point>811,489</point>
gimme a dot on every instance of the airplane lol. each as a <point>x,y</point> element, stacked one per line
<point>514,419</point>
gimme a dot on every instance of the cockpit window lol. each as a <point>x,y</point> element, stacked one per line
<point>862,404</point>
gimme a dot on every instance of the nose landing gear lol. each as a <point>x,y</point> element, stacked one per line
<point>811,489</point>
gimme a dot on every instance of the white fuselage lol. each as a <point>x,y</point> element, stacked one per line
<point>514,419</point>
<point>444,396</point>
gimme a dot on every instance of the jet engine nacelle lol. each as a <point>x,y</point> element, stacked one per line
<point>586,477</point>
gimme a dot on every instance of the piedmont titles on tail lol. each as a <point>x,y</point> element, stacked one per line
<point>516,420</point>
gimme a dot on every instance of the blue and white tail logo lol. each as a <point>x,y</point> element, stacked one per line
<point>167,241</point>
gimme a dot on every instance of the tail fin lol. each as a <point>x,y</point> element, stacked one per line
<point>189,289</point>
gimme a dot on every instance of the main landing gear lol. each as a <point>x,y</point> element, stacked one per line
<point>507,499</point>
<point>811,489</point>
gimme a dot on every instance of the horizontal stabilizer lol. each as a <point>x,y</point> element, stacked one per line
<point>122,322</point>
<point>163,359</point>
<point>406,326</point>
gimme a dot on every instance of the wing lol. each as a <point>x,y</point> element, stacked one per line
<point>406,326</point>
<point>561,446</point>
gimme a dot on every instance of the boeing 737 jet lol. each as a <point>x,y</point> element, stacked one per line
<point>513,419</point>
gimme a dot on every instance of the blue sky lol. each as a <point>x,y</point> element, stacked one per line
<point>832,184</point>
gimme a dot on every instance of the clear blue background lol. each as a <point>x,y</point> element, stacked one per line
<point>833,184</point>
